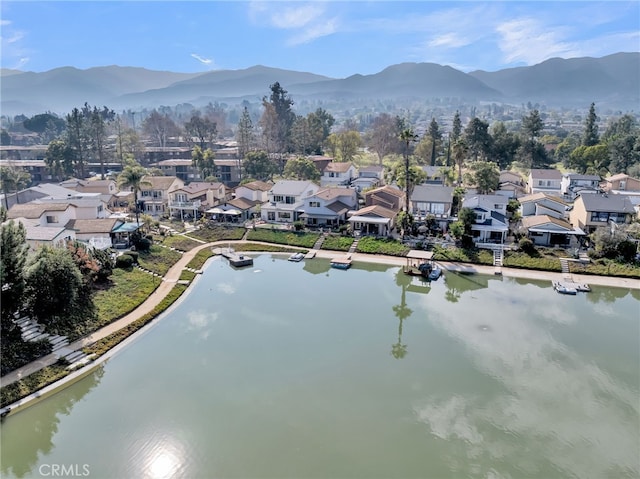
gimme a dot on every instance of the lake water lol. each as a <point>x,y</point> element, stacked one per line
<point>297,370</point>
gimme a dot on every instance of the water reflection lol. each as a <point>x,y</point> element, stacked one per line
<point>32,440</point>
<point>458,283</point>
<point>414,284</point>
<point>555,405</point>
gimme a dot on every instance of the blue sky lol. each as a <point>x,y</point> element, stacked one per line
<point>332,38</point>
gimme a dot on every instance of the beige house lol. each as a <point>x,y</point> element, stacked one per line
<point>195,198</point>
<point>621,183</point>
<point>591,211</point>
<point>373,220</point>
<point>154,193</point>
<point>546,180</point>
<point>545,230</point>
<point>386,196</point>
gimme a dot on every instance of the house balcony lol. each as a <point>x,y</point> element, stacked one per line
<point>185,205</point>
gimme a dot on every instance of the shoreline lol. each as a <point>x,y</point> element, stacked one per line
<point>174,272</point>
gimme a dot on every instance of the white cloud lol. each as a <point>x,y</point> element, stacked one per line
<point>298,17</point>
<point>527,40</point>
<point>4,23</point>
<point>206,61</point>
<point>309,34</point>
<point>448,40</point>
<point>307,21</point>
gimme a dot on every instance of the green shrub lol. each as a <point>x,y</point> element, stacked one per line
<point>134,255</point>
<point>387,246</point>
<point>337,243</point>
<point>143,244</point>
<point>124,261</point>
<point>527,246</point>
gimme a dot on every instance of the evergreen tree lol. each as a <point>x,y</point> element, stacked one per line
<point>590,135</point>
<point>435,135</point>
<point>14,248</point>
<point>457,127</point>
<point>245,135</point>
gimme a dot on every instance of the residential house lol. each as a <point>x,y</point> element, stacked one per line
<point>620,183</point>
<point>329,206</point>
<point>591,211</point>
<point>545,181</point>
<point>181,168</point>
<point>491,224</point>
<point>320,161</point>
<point>545,230</point>
<point>511,185</point>
<point>543,204</point>
<point>386,196</point>
<point>434,175</point>
<point>432,201</point>
<point>368,177</point>
<point>573,184</point>
<point>338,174</point>
<point>154,193</point>
<point>194,199</point>
<point>45,223</point>
<point>286,199</point>
<point>247,199</point>
<point>228,170</point>
<point>373,220</point>
<point>107,189</point>
<point>43,190</point>
<point>97,233</point>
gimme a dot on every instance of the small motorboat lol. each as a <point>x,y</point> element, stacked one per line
<point>563,289</point>
<point>296,257</point>
<point>341,263</point>
<point>435,273</point>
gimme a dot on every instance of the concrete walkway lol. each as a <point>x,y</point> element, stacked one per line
<point>173,275</point>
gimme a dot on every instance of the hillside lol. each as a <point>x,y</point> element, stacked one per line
<point>612,81</point>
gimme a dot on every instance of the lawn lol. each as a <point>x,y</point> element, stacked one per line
<point>179,242</point>
<point>387,246</point>
<point>291,238</point>
<point>337,243</point>
<point>158,259</point>
<point>218,233</point>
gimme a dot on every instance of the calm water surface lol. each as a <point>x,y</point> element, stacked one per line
<point>298,370</point>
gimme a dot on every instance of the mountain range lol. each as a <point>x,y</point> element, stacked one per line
<point>612,82</point>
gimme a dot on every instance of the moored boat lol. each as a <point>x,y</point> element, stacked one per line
<point>296,257</point>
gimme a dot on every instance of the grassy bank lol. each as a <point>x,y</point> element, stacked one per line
<point>50,374</point>
<point>291,238</point>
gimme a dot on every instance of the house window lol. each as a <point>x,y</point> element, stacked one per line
<point>52,219</point>
<point>497,207</point>
<point>271,216</point>
<point>437,208</point>
<point>285,215</point>
<point>278,198</point>
<point>599,217</point>
<point>623,184</point>
<point>290,200</point>
<point>540,183</point>
<point>314,204</point>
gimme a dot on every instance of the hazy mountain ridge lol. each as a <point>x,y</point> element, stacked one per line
<point>612,80</point>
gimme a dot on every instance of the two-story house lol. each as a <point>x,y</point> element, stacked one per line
<point>620,183</point>
<point>545,181</point>
<point>338,174</point>
<point>45,223</point>
<point>368,177</point>
<point>511,184</point>
<point>386,196</point>
<point>573,184</point>
<point>432,201</point>
<point>154,193</point>
<point>194,199</point>
<point>286,199</point>
<point>329,206</point>
<point>591,211</point>
<point>491,224</point>
<point>543,204</point>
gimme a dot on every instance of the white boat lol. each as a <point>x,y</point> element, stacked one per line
<point>296,257</point>
<point>563,289</point>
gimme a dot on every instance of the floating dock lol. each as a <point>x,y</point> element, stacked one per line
<point>236,259</point>
<point>341,263</point>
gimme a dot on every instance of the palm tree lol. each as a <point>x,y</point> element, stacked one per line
<point>460,150</point>
<point>408,136</point>
<point>132,177</point>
